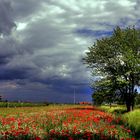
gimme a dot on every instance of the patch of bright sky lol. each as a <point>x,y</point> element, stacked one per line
<point>126,3</point>
<point>1,36</point>
<point>138,88</point>
<point>21,26</point>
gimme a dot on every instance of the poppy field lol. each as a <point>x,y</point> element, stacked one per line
<point>75,122</point>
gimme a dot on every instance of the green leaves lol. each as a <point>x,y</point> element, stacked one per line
<point>117,57</point>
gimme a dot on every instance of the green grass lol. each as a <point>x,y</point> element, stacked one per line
<point>25,110</point>
<point>130,119</point>
<point>133,121</point>
<point>119,109</point>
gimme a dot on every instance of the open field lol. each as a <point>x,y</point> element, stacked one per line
<point>21,104</point>
<point>61,122</point>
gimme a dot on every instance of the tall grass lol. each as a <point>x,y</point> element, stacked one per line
<point>130,119</point>
<point>133,121</point>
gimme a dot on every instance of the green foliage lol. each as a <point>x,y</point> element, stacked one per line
<point>104,92</point>
<point>0,98</point>
<point>137,99</point>
<point>97,98</point>
<point>119,109</point>
<point>117,60</point>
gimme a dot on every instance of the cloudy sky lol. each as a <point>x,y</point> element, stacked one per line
<point>42,43</point>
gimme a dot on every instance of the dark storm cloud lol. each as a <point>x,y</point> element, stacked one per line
<point>6,21</point>
<point>4,59</point>
<point>25,9</point>
<point>41,59</point>
<point>11,74</point>
<point>8,47</point>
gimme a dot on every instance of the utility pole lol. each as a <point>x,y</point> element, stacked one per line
<point>74,90</point>
<point>74,96</point>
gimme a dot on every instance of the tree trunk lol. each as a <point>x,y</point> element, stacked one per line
<point>129,106</point>
<point>110,104</point>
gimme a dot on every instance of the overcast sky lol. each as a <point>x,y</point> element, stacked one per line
<point>42,43</point>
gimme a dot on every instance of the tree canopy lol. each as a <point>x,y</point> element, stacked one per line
<point>116,60</point>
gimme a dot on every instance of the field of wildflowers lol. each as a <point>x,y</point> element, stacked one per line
<point>61,123</point>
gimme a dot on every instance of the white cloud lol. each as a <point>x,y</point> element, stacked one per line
<point>21,26</point>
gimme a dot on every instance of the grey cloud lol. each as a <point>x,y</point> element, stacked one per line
<point>44,59</point>
<point>12,74</point>
<point>23,10</point>
<point>44,36</point>
<point>6,21</point>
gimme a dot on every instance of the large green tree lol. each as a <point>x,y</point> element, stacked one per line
<point>105,91</point>
<point>137,99</point>
<point>117,59</point>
